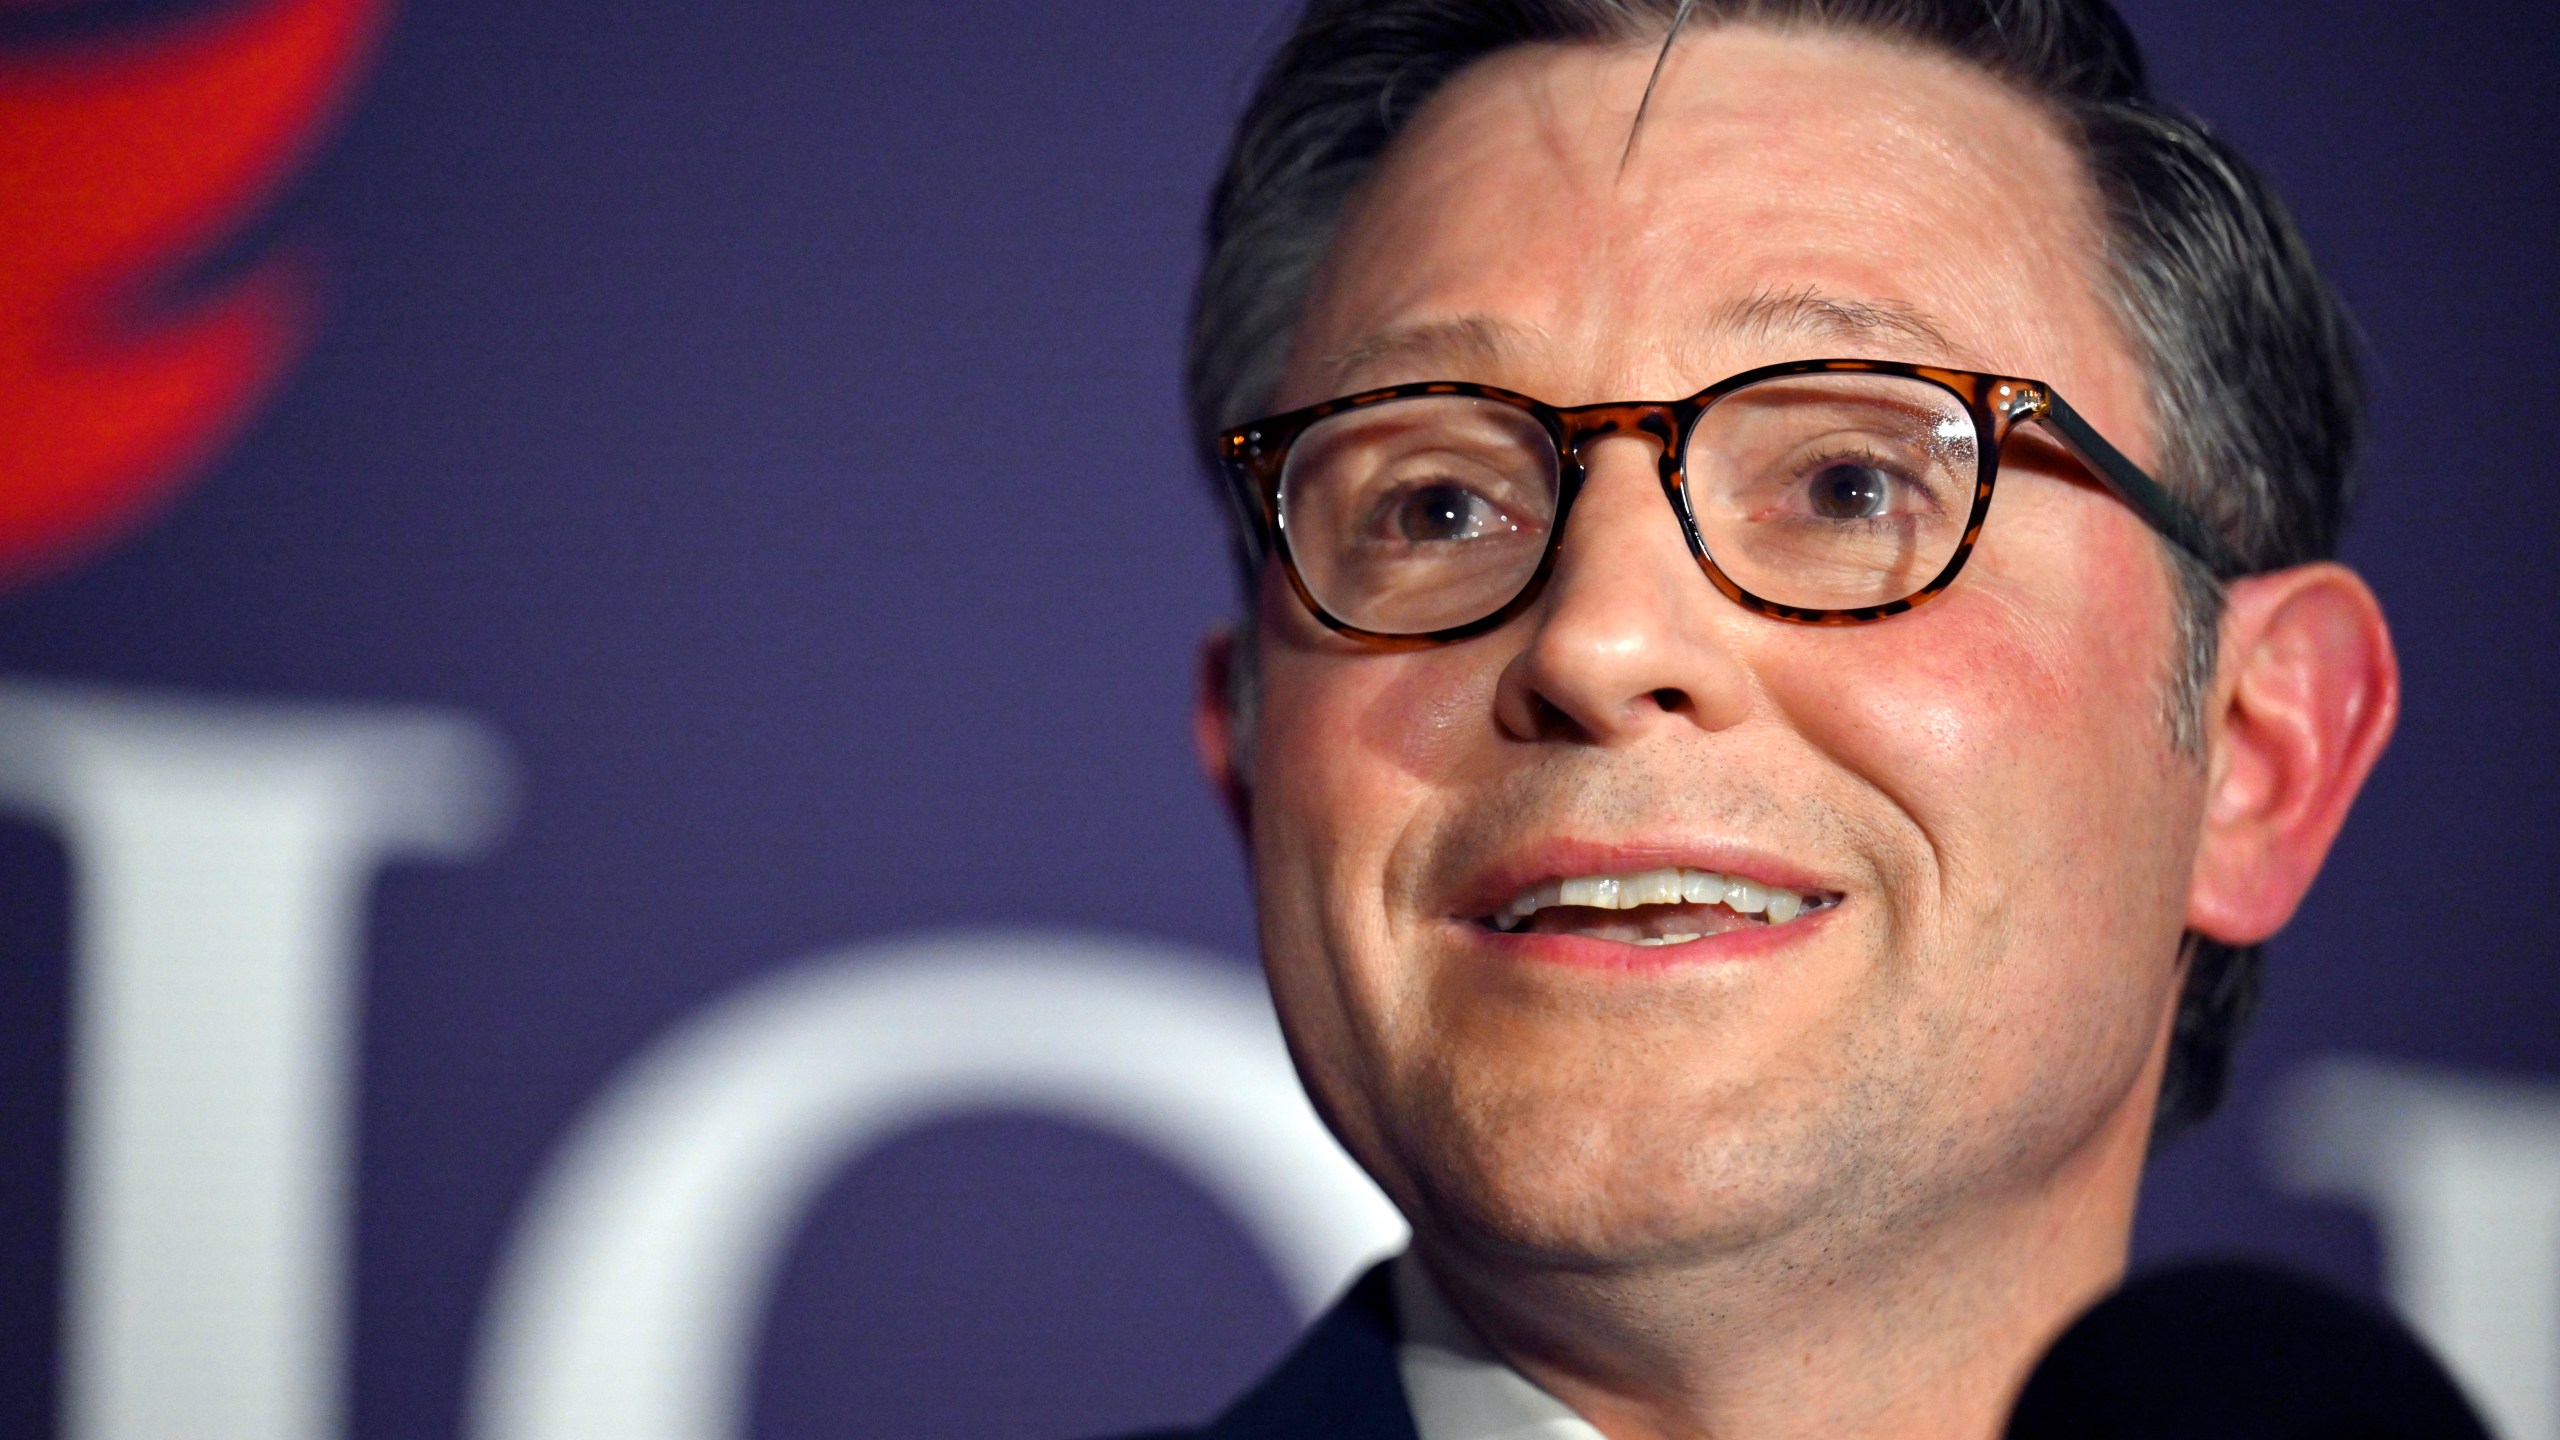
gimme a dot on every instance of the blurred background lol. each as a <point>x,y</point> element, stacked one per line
<point>596,610</point>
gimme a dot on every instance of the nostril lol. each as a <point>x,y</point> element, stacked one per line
<point>1673,701</point>
<point>1550,720</point>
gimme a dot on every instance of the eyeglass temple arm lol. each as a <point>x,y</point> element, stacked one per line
<point>2165,512</point>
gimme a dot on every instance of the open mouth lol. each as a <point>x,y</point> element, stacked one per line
<point>1653,907</point>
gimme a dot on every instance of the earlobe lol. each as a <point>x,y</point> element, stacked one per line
<point>2304,702</point>
<point>1216,728</point>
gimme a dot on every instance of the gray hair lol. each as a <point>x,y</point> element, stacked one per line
<point>2250,358</point>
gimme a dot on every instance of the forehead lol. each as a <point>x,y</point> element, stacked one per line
<point>1789,195</point>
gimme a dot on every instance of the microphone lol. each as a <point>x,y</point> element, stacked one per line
<point>2230,1350</point>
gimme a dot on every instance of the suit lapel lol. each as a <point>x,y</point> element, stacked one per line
<point>1341,1383</point>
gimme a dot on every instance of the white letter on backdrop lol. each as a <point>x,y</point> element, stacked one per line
<point>219,855</point>
<point>628,1300</point>
<point>2463,1177</point>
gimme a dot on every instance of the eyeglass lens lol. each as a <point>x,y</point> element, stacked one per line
<point>1824,492</point>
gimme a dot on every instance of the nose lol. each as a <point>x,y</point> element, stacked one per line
<point>1629,635</point>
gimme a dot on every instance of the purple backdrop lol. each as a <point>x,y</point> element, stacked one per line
<point>765,418</point>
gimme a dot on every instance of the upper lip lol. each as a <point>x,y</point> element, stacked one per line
<point>1494,885</point>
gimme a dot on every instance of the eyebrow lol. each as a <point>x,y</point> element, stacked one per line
<point>1471,345</point>
<point>1812,313</point>
<point>1476,340</point>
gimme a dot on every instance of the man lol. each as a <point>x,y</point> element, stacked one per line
<point>1751,851</point>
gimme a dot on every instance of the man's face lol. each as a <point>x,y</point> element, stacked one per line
<point>1978,801</point>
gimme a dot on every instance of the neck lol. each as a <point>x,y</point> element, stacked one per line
<point>1928,1331</point>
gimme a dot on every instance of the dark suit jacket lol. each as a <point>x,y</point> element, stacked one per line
<point>1341,1382</point>
<point>2199,1350</point>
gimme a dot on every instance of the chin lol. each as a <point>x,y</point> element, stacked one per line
<point>1571,1176</point>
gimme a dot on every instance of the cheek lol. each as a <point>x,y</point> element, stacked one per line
<point>1983,719</point>
<point>1353,745</point>
<point>2019,696</point>
<point>1356,753</point>
<point>2015,730</point>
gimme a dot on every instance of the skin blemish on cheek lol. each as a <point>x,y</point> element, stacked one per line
<point>1427,713</point>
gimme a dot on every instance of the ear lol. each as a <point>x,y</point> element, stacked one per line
<point>2302,706</point>
<point>1216,729</point>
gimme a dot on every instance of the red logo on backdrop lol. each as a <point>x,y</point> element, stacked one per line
<point>120,161</point>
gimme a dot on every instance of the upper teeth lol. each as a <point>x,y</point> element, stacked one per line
<point>1657,887</point>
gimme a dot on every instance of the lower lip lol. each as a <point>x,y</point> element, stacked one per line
<point>1583,952</point>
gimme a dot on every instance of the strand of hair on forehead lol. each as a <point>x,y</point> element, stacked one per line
<point>1679,18</point>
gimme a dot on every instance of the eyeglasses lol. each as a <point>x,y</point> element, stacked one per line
<point>1824,492</point>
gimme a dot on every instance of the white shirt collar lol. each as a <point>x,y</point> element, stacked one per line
<point>1458,1389</point>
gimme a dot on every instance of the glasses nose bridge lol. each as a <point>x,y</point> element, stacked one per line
<point>1655,420</point>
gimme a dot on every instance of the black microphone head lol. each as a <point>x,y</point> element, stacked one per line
<point>2230,1350</point>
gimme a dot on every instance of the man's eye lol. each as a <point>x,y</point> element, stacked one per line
<point>1846,490</point>
<point>1444,511</point>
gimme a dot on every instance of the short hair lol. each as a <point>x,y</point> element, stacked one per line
<point>2249,357</point>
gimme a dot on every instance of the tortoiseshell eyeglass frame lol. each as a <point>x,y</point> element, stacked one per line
<point>1255,457</point>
